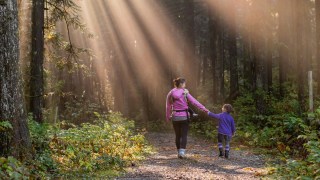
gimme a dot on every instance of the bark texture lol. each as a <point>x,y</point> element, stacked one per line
<point>36,64</point>
<point>11,95</point>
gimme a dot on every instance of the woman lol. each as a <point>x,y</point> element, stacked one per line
<point>177,111</point>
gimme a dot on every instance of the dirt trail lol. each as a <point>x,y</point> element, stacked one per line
<point>202,162</point>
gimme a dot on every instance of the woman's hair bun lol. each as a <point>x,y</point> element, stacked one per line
<point>178,81</point>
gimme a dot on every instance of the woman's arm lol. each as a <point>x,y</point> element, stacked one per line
<point>168,106</point>
<point>193,101</point>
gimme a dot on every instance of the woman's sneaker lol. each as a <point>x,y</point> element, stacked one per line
<point>181,153</point>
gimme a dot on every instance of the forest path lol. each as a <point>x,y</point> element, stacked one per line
<point>202,161</point>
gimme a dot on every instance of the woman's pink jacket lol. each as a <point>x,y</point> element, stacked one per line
<point>176,101</point>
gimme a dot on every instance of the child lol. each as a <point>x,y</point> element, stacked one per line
<point>226,128</point>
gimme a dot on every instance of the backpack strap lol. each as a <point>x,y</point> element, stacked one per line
<point>185,94</point>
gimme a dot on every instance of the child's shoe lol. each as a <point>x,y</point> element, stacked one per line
<point>221,152</point>
<point>226,154</point>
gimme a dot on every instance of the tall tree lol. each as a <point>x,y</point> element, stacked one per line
<point>317,5</point>
<point>252,48</point>
<point>213,54</point>
<point>11,95</point>
<point>301,53</point>
<point>36,64</point>
<point>283,9</point>
<point>221,60</point>
<point>234,85</point>
<point>191,61</point>
<point>268,60</point>
<point>247,50</point>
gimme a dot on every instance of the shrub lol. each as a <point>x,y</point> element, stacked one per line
<point>262,120</point>
<point>207,129</point>
<point>11,168</point>
<point>305,168</point>
<point>108,143</point>
<point>68,150</point>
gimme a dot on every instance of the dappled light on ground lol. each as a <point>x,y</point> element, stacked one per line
<point>202,162</point>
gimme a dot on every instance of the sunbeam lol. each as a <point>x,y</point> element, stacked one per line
<point>148,53</point>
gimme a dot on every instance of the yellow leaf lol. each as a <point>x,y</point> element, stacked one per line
<point>248,169</point>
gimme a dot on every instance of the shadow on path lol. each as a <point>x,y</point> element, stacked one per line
<point>202,162</point>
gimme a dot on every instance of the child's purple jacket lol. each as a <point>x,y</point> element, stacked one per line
<point>226,123</point>
<point>179,103</point>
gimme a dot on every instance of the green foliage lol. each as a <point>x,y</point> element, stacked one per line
<point>108,143</point>
<point>305,168</point>
<point>263,120</point>
<point>5,125</point>
<point>207,129</point>
<point>267,122</point>
<point>38,134</point>
<point>66,11</point>
<point>5,130</point>
<point>281,127</point>
<point>42,163</point>
<point>159,125</point>
<point>80,111</point>
<point>11,168</point>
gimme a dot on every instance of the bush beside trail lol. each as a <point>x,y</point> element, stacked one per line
<point>105,146</point>
<point>275,127</point>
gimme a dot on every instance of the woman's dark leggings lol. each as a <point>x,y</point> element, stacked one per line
<point>181,130</point>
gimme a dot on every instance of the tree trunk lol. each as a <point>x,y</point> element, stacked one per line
<point>221,64</point>
<point>269,60</point>
<point>256,46</point>
<point>36,64</point>
<point>190,57</point>
<point>234,85</point>
<point>300,52</point>
<point>318,43</point>
<point>247,49</point>
<point>11,95</point>
<point>213,35</point>
<point>283,43</point>
<point>307,49</point>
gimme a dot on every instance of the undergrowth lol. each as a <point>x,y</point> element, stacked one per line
<point>266,122</point>
<point>66,150</point>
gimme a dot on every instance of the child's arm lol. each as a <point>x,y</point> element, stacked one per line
<point>213,115</point>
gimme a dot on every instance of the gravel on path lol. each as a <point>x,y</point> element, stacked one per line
<point>202,161</point>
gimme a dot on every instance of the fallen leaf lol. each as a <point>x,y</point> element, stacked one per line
<point>248,169</point>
